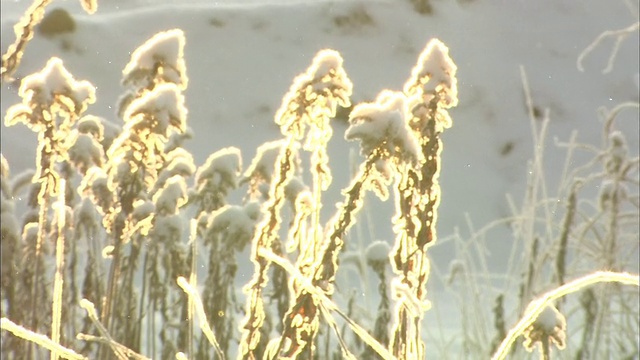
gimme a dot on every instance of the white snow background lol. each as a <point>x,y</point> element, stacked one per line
<point>242,56</point>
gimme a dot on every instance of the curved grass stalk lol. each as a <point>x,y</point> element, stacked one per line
<point>538,305</point>
<point>39,339</point>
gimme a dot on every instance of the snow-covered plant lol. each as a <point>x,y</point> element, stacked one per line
<point>24,32</point>
<point>86,224</point>
<point>262,167</point>
<point>130,256</point>
<point>152,112</point>
<point>159,60</point>
<point>382,125</point>
<point>542,322</point>
<point>548,328</point>
<point>52,102</point>
<point>86,150</point>
<point>609,238</point>
<point>216,178</point>
<point>179,162</point>
<point>229,229</point>
<point>386,137</point>
<point>431,90</point>
<point>166,258</point>
<point>382,129</point>
<point>310,103</point>
<point>224,230</point>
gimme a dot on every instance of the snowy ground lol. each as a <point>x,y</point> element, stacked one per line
<point>242,56</point>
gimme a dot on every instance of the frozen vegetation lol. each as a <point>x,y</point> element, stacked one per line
<point>135,227</point>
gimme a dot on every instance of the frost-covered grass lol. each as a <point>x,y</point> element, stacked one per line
<point>120,245</point>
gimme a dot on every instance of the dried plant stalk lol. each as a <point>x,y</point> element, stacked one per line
<point>378,259</point>
<point>266,234</point>
<point>24,33</point>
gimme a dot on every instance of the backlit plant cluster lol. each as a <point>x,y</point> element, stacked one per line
<point>133,191</point>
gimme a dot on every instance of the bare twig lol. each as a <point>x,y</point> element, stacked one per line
<point>619,36</point>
